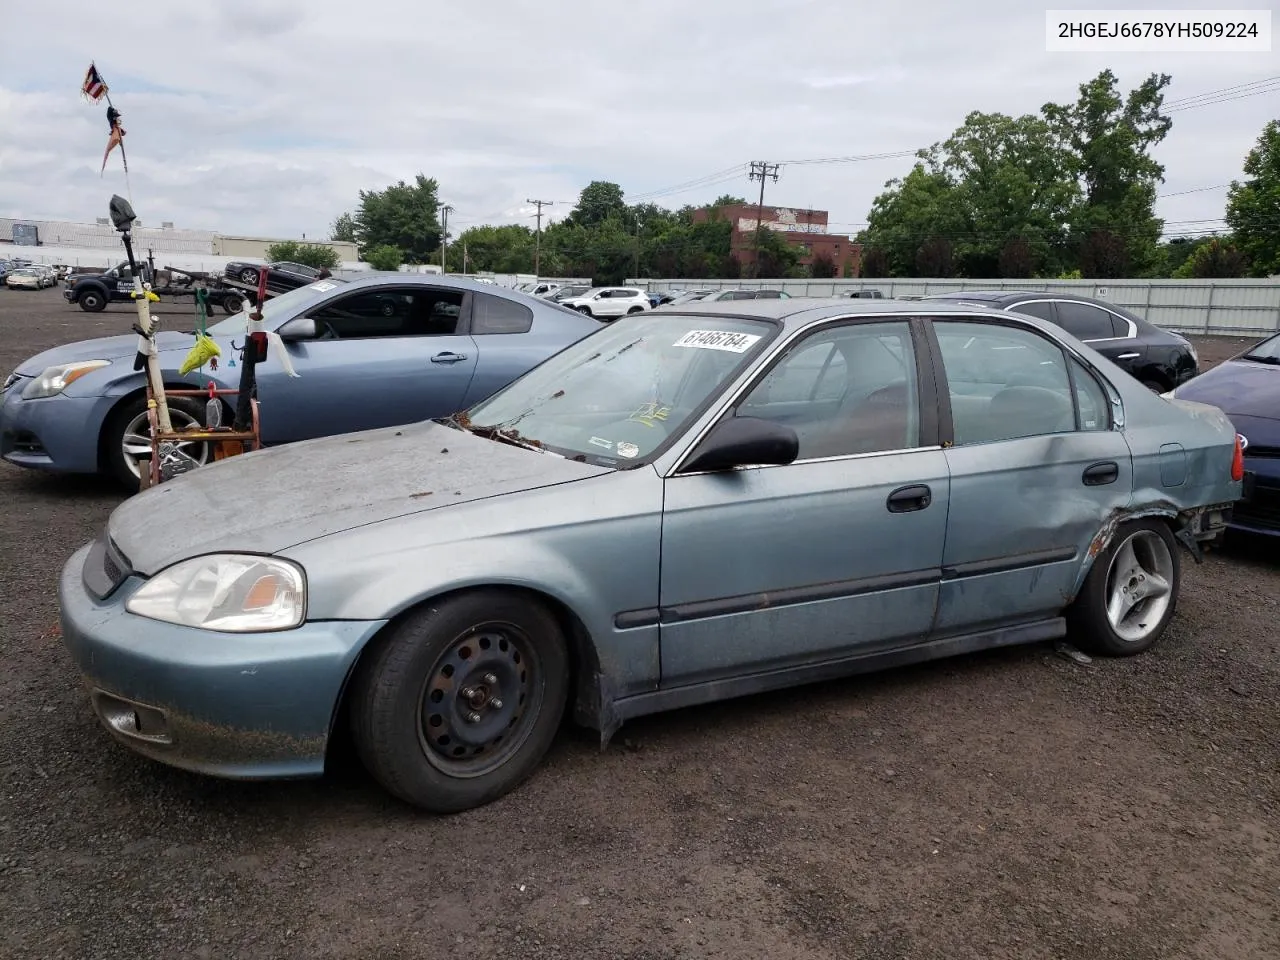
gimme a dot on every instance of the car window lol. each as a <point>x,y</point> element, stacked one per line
<point>1092,406</point>
<point>1036,308</point>
<point>490,314</point>
<point>1004,382</point>
<point>1084,321</point>
<point>390,312</point>
<point>846,390</point>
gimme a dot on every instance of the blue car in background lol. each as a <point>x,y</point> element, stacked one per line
<point>1247,389</point>
<point>376,352</point>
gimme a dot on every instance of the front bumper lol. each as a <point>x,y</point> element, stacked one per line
<point>241,706</point>
<point>1258,510</point>
<point>58,434</point>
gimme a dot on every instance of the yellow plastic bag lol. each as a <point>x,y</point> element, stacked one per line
<point>204,351</point>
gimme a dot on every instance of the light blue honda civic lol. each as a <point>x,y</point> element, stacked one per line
<point>378,351</point>
<point>689,505</point>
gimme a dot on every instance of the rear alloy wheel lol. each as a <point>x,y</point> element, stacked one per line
<point>1131,592</point>
<point>460,702</point>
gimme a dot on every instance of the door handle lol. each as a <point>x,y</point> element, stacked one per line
<point>1128,356</point>
<point>1101,473</point>
<point>448,357</point>
<point>906,499</point>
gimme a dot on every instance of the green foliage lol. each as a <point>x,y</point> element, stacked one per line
<point>309,254</point>
<point>500,249</point>
<point>1216,259</point>
<point>775,258</point>
<point>1176,252</point>
<point>598,201</point>
<point>344,228</point>
<point>384,257</point>
<point>405,216</point>
<point>1253,207</point>
<point>822,267</point>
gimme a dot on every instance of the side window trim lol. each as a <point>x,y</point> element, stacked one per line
<point>463,327</point>
<point>1131,328</point>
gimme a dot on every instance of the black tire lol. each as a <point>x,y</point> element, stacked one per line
<point>1090,625</point>
<point>112,457</point>
<point>233,303</point>
<point>92,301</point>
<point>248,276</point>
<point>409,714</point>
<point>635,310</point>
<point>1155,386</point>
<point>586,310</point>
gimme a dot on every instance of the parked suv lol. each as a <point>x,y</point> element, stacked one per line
<point>1160,359</point>
<point>608,303</point>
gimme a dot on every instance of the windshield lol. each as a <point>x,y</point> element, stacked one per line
<point>277,309</point>
<point>1268,351</point>
<point>620,394</point>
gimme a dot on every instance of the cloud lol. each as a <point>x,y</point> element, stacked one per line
<point>268,117</point>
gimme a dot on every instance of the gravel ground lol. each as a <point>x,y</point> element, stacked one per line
<point>1013,804</point>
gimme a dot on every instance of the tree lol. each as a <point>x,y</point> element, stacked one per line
<point>823,267</point>
<point>922,204</point>
<point>309,254</point>
<point>1215,260</point>
<point>500,249</point>
<point>405,216</point>
<point>1017,261</point>
<point>727,200</point>
<point>384,257</point>
<point>343,229</point>
<point>598,200</point>
<point>933,258</point>
<point>775,258</point>
<point>1253,207</point>
<point>1178,251</point>
<point>875,263</point>
<point>1109,138</point>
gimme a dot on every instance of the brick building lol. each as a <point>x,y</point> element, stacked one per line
<point>806,229</point>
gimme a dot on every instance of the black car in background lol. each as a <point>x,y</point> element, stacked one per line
<point>282,275</point>
<point>1160,359</point>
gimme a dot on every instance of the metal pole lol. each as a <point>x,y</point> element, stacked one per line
<point>444,236</point>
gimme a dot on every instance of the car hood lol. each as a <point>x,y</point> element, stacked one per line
<point>103,348</point>
<point>269,500</point>
<point>1237,387</point>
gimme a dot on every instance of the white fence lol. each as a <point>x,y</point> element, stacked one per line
<point>1228,307</point>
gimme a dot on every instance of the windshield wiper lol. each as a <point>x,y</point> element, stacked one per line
<point>1273,360</point>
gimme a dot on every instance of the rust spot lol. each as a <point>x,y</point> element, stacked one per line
<point>424,493</point>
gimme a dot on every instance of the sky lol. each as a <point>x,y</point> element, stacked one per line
<point>267,117</point>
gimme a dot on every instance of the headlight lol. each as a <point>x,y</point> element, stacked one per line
<point>228,592</point>
<point>56,379</point>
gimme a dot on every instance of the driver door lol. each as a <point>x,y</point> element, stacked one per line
<point>383,357</point>
<point>832,556</point>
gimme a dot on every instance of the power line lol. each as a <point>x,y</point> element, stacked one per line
<point>1183,193</point>
<point>1226,94</point>
<point>706,180</point>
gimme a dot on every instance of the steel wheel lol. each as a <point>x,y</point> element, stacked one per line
<point>1139,586</point>
<point>137,439</point>
<point>478,700</point>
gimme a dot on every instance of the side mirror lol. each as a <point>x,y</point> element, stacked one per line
<point>745,442</point>
<point>299,328</point>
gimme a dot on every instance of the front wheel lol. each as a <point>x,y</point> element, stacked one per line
<point>586,310</point>
<point>233,303</point>
<point>1131,592</point>
<point>248,276</point>
<point>635,310</point>
<point>91,301</point>
<point>127,434</point>
<point>1155,386</point>
<point>459,703</point>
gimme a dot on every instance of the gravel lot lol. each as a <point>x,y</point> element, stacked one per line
<point>1014,804</point>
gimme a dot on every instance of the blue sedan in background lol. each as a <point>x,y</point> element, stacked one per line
<point>376,352</point>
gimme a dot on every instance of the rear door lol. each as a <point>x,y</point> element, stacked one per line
<point>384,356</point>
<point>1036,466</point>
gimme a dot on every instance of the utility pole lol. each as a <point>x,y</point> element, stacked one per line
<point>464,258</point>
<point>444,235</point>
<point>537,235</point>
<point>759,171</point>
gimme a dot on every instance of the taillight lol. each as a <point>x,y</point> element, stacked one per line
<point>1237,461</point>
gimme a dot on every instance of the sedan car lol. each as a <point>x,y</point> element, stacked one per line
<point>721,295</point>
<point>684,507</point>
<point>1247,389</point>
<point>282,275</point>
<point>1158,358</point>
<point>27,278</point>
<point>378,351</point>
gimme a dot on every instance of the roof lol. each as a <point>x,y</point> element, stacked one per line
<point>801,311</point>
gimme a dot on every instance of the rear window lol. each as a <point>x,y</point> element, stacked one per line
<point>490,314</point>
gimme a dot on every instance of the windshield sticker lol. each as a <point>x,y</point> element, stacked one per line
<point>323,286</point>
<point>627,450</point>
<point>598,442</point>
<point>718,340</point>
<point>649,414</point>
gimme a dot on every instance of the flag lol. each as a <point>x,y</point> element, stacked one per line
<point>116,139</point>
<point>94,86</point>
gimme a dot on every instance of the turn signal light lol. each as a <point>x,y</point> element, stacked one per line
<point>1237,461</point>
